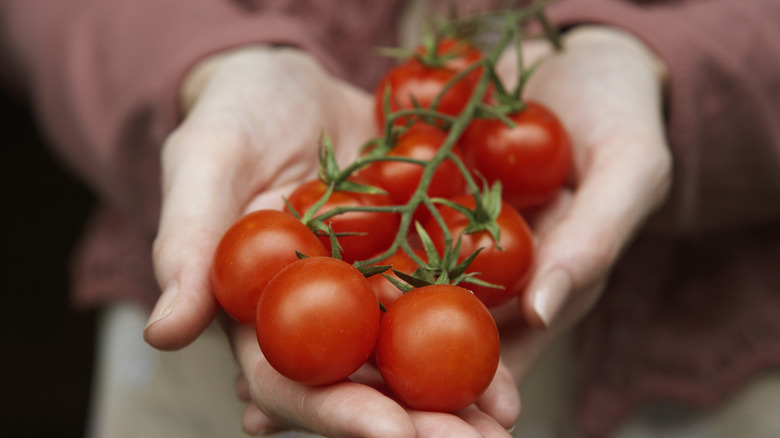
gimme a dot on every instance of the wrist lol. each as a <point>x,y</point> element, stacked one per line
<point>196,79</point>
<point>613,38</point>
<point>199,75</point>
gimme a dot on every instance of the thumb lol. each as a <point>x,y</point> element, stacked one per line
<point>198,204</point>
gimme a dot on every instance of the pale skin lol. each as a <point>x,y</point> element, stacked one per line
<point>252,117</point>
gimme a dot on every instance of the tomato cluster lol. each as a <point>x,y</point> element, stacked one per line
<point>399,255</point>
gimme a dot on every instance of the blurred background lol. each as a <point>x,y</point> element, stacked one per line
<point>47,346</point>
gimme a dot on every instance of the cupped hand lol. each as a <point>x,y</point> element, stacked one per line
<point>254,120</point>
<point>360,406</point>
<point>252,129</point>
<point>606,86</point>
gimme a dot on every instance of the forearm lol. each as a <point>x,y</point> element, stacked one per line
<point>105,77</point>
<point>721,102</point>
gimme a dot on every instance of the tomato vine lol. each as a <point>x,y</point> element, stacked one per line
<point>503,104</point>
<point>437,196</point>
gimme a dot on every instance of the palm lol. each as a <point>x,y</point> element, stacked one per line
<point>251,136</point>
<point>606,90</point>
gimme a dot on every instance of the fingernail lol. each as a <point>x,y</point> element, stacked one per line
<point>165,304</point>
<point>550,295</point>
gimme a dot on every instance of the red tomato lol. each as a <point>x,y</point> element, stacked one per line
<point>386,292</point>
<point>532,160</point>
<point>510,266</point>
<point>438,348</point>
<point>459,53</point>
<point>378,229</point>
<point>414,78</point>
<point>400,180</point>
<point>412,81</point>
<point>252,251</point>
<point>317,320</point>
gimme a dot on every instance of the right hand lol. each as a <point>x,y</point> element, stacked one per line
<point>606,86</point>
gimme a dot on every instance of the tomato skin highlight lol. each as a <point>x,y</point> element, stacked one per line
<point>378,229</point>
<point>509,266</point>
<point>438,348</point>
<point>252,250</point>
<point>532,160</point>
<point>317,321</point>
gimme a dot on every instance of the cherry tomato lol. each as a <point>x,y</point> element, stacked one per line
<point>414,77</point>
<point>438,348</point>
<point>377,229</point>
<point>386,291</point>
<point>317,320</point>
<point>459,54</point>
<point>509,266</point>
<point>400,179</point>
<point>411,81</point>
<point>532,160</point>
<point>252,251</point>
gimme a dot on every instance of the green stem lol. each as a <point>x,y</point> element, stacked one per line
<point>429,167</point>
<point>445,230</point>
<point>470,183</point>
<point>404,245</point>
<point>364,161</point>
<point>456,125</point>
<point>455,79</point>
<point>501,113</point>
<point>364,208</point>
<point>550,30</point>
<point>518,37</point>
<point>307,216</point>
<point>421,112</point>
<point>420,194</point>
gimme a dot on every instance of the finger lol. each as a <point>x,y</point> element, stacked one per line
<point>466,423</point>
<point>534,51</point>
<point>339,410</point>
<point>548,216</point>
<point>484,423</point>
<point>242,388</point>
<point>442,425</point>
<point>494,413</point>
<point>255,422</point>
<point>200,201</point>
<point>501,401</point>
<point>619,188</point>
<point>621,169</point>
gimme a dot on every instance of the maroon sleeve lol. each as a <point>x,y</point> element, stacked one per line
<point>104,78</point>
<point>723,101</point>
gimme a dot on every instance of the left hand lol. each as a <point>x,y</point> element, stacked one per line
<point>606,87</point>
